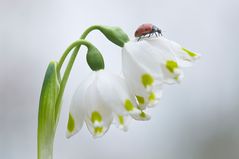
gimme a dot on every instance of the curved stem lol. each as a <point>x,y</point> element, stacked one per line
<point>49,112</point>
<point>68,69</point>
<point>75,45</point>
<point>83,36</point>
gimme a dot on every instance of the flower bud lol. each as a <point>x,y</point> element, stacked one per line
<point>94,58</point>
<point>114,34</point>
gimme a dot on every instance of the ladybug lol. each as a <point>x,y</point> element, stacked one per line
<point>147,29</point>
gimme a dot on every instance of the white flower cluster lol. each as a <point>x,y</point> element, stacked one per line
<point>103,97</point>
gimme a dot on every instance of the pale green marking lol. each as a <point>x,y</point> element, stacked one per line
<point>98,130</point>
<point>140,99</point>
<point>128,105</point>
<point>71,123</point>
<point>147,79</point>
<point>190,53</point>
<point>121,119</point>
<point>95,116</point>
<point>142,115</point>
<point>171,65</point>
<point>152,97</point>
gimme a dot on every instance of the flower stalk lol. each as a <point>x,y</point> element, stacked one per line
<point>50,101</point>
<point>53,86</point>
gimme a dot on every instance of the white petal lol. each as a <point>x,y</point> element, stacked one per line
<point>78,109</point>
<point>154,98</point>
<point>151,59</point>
<point>144,54</point>
<point>116,95</point>
<point>99,116</point>
<point>98,130</point>
<point>122,122</point>
<point>135,112</point>
<point>184,57</point>
<point>135,67</point>
<point>183,53</point>
<point>141,115</point>
<point>112,90</point>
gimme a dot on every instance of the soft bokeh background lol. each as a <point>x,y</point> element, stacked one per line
<point>197,119</point>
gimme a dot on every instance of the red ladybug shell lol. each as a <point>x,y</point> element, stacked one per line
<point>143,30</point>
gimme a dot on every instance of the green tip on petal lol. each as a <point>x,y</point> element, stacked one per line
<point>98,130</point>
<point>95,116</point>
<point>171,66</point>
<point>71,123</point>
<point>147,80</point>
<point>152,97</point>
<point>140,99</point>
<point>128,105</point>
<point>190,53</point>
<point>121,120</point>
<point>142,114</point>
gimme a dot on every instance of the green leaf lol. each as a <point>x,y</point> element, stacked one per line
<point>46,114</point>
<point>114,34</point>
<point>94,58</point>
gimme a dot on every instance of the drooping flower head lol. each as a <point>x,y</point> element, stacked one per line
<point>99,99</point>
<point>151,62</point>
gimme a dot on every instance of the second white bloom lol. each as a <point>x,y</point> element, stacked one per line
<point>99,99</point>
<point>149,63</point>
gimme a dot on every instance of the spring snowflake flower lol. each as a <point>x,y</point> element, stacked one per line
<point>99,99</point>
<point>149,63</point>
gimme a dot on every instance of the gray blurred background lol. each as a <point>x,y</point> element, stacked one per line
<point>197,119</point>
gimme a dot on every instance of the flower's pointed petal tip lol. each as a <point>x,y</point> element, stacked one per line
<point>97,136</point>
<point>140,115</point>
<point>122,122</point>
<point>142,106</point>
<point>74,125</point>
<point>179,78</point>
<point>199,56</point>
<point>196,57</point>
<point>193,56</point>
<point>99,132</point>
<point>174,80</point>
<point>178,71</point>
<point>70,134</point>
<point>98,129</point>
<point>123,128</point>
<point>184,63</point>
<point>153,104</point>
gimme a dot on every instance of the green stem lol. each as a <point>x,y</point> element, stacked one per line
<point>83,36</point>
<point>77,45</point>
<point>68,69</point>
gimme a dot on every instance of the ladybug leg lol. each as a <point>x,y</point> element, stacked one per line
<point>139,38</point>
<point>156,34</point>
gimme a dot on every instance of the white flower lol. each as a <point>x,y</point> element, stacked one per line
<point>99,99</point>
<point>149,63</point>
